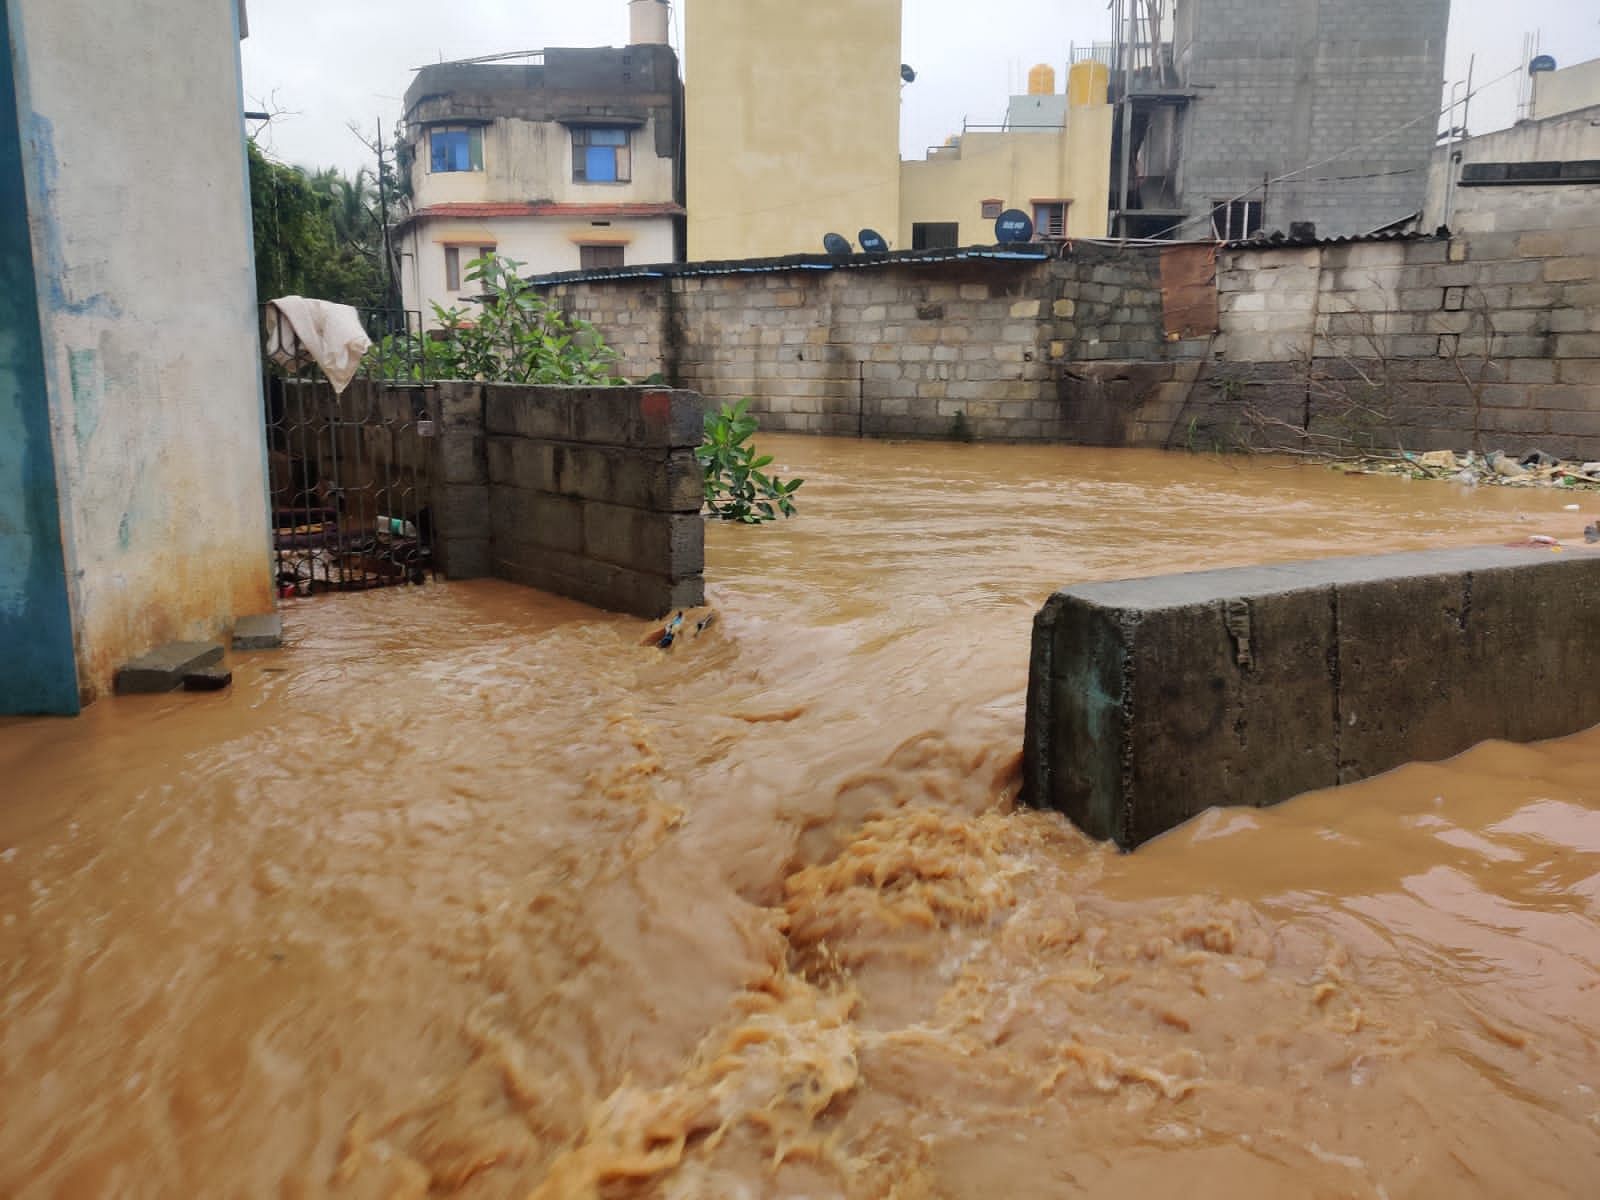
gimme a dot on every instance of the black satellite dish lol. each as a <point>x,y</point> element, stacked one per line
<point>907,74</point>
<point>835,244</point>
<point>872,242</point>
<point>1014,225</point>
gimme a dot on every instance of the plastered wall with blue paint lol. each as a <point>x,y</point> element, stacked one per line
<point>37,671</point>
<point>146,307</point>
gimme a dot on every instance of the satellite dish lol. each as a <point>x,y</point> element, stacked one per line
<point>872,242</point>
<point>1544,62</point>
<point>907,74</point>
<point>834,244</point>
<point>1014,225</point>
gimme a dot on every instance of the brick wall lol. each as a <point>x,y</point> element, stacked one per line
<point>591,493</point>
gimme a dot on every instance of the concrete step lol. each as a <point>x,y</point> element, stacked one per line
<point>163,670</point>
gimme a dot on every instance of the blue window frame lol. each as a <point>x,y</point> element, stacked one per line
<point>602,155</point>
<point>455,148</point>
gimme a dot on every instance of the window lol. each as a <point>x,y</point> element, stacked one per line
<point>601,156</point>
<point>992,209</point>
<point>935,235</point>
<point>453,263</point>
<point>455,148</point>
<point>1050,218</point>
<point>1234,220</point>
<point>593,258</point>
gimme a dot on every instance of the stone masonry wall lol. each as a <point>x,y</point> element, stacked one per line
<point>591,493</point>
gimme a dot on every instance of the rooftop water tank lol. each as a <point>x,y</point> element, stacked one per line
<point>649,21</point>
<point>1042,80</point>
<point>1087,83</point>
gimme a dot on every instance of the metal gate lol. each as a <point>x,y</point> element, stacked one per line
<point>349,474</point>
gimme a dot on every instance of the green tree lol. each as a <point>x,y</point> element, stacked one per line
<point>317,234</point>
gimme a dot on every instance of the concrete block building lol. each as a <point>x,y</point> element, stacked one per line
<point>571,161</point>
<point>1341,97</point>
<point>132,448</point>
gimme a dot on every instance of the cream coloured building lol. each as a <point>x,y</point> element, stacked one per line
<point>793,114</point>
<point>570,162</point>
<point>1052,161</point>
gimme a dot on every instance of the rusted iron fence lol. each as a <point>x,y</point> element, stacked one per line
<point>349,474</point>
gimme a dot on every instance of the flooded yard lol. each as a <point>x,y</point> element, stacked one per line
<point>469,892</point>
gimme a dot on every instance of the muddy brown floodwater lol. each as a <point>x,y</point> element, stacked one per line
<point>468,893</point>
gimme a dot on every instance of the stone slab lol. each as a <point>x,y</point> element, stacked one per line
<point>163,669</point>
<point>1150,700</point>
<point>263,631</point>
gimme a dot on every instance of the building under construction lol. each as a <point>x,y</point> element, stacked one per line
<point>1237,116</point>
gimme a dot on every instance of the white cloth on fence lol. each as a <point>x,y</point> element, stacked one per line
<point>300,331</point>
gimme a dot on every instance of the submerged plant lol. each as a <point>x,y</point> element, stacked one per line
<point>736,489</point>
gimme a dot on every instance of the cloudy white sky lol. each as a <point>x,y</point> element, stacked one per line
<point>325,63</point>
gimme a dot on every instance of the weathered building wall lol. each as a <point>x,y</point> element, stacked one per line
<point>1566,90</point>
<point>35,616</point>
<point>793,119</point>
<point>1150,700</point>
<point>1571,137</point>
<point>147,314</point>
<point>522,197</point>
<point>1018,168</point>
<point>591,493</point>
<point>1277,86</point>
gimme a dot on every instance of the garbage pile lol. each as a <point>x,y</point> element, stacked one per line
<point>1534,469</point>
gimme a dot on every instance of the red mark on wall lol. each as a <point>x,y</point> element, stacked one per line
<point>656,407</point>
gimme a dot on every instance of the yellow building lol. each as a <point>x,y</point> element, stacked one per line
<point>1052,160</point>
<point>793,112</point>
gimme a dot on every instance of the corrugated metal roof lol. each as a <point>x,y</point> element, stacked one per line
<point>1282,241</point>
<point>804,262</point>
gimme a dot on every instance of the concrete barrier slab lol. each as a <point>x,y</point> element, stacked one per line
<point>1151,700</point>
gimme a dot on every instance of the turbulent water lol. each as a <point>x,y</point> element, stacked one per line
<point>468,892</point>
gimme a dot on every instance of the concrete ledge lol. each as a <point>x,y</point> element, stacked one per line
<point>261,632</point>
<point>163,670</point>
<point>1151,700</point>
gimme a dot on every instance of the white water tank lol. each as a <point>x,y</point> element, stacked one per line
<point>649,20</point>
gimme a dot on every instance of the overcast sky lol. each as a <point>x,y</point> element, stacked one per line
<point>325,63</point>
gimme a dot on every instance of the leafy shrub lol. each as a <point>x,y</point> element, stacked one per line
<point>516,336</point>
<point>735,487</point>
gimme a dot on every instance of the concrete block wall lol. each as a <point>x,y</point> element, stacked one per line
<point>900,350</point>
<point>1150,700</point>
<point>1280,85</point>
<point>591,493</point>
<point>1487,340</point>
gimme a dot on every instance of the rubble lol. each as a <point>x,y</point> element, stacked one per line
<point>1535,469</point>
